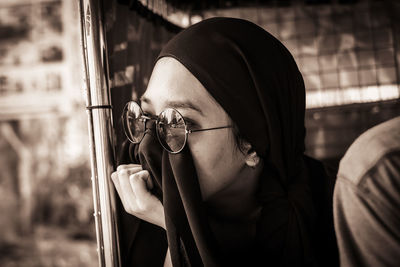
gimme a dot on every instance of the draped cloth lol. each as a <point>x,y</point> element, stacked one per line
<point>256,81</point>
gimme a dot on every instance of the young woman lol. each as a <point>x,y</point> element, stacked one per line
<point>216,174</point>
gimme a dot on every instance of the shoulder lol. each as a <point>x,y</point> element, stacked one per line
<point>369,149</point>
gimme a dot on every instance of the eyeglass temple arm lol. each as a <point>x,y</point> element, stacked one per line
<point>208,129</point>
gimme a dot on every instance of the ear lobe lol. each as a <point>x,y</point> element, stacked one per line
<point>252,159</point>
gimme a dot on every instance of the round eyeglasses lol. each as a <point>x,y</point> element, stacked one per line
<point>171,128</point>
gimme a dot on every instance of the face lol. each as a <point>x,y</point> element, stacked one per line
<point>218,161</point>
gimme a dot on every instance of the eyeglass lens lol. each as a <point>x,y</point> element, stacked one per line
<point>170,127</point>
<point>171,130</point>
<point>134,124</point>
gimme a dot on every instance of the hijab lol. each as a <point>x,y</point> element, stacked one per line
<point>256,81</point>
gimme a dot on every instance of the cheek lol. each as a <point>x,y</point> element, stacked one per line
<point>216,161</point>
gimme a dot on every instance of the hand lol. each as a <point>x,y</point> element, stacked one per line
<point>133,185</point>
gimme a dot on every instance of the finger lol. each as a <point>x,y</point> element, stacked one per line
<point>145,175</point>
<point>140,188</point>
<point>114,178</point>
<point>128,166</point>
<point>125,186</point>
<point>149,208</point>
<point>126,191</point>
<point>127,171</point>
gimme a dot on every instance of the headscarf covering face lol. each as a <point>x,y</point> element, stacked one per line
<point>254,78</point>
<point>256,81</point>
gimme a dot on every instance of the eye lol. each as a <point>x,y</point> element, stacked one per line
<point>147,114</point>
<point>191,123</point>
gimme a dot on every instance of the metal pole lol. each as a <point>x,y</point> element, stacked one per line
<point>100,131</point>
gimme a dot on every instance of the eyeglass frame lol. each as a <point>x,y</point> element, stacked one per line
<point>157,120</point>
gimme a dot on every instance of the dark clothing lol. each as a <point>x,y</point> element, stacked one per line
<point>256,81</point>
<point>144,244</point>
<point>367,199</point>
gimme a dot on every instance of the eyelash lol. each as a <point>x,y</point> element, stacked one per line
<point>189,122</point>
<point>147,114</point>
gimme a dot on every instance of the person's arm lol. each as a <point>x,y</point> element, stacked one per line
<point>367,216</point>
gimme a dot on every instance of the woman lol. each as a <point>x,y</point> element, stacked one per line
<point>220,177</point>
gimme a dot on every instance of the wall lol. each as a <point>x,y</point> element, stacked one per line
<point>349,57</point>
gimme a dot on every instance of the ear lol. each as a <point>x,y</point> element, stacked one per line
<point>251,157</point>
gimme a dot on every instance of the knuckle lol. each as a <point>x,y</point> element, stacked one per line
<point>121,167</point>
<point>143,174</point>
<point>123,172</point>
<point>127,171</point>
<point>128,166</point>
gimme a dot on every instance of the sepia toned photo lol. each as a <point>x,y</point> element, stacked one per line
<point>200,133</point>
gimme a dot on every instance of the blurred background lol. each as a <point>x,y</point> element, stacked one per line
<point>46,202</point>
<point>347,50</point>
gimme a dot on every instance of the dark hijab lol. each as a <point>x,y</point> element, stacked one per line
<point>256,81</point>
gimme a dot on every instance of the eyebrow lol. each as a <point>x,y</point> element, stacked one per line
<point>176,105</point>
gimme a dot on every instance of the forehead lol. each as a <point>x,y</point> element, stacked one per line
<point>171,81</point>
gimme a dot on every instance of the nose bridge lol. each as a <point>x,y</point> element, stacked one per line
<point>150,128</point>
<point>150,135</point>
<point>150,144</point>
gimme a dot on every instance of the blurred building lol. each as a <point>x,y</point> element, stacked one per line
<point>44,158</point>
<point>347,50</point>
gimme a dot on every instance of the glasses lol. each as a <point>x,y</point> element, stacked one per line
<point>171,128</point>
